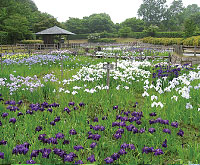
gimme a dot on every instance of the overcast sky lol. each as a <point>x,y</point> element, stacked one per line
<point>119,10</point>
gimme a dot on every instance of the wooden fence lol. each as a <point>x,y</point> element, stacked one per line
<point>182,49</point>
<point>35,47</point>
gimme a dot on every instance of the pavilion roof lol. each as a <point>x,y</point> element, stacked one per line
<point>55,31</point>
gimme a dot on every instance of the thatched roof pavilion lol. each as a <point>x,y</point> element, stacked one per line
<point>48,34</point>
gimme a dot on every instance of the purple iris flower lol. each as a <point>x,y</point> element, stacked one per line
<point>67,109</point>
<point>60,135</point>
<point>93,145</point>
<point>104,118</point>
<point>91,159</point>
<point>3,142</point>
<point>66,142</point>
<point>147,150</point>
<point>34,153</point>
<point>30,161</point>
<point>29,112</point>
<point>1,155</point>
<point>72,132</point>
<point>167,131</point>
<point>53,123</point>
<point>68,158</point>
<point>174,124</point>
<point>13,120</point>
<point>122,152</point>
<point>131,146</point>
<point>115,156</point>
<point>129,127</point>
<point>115,124</point>
<point>135,130</point>
<point>96,137</point>
<point>115,107</point>
<point>57,119</point>
<point>138,122</point>
<point>108,160</point>
<point>38,128</point>
<point>164,143</point>
<point>96,119</point>
<point>122,124</point>
<point>125,118</point>
<point>120,131</point>
<point>19,102</point>
<point>152,130</point>
<point>45,153</point>
<point>142,130</point>
<point>4,114</point>
<point>118,117</point>
<point>53,140</point>
<point>152,114</point>
<point>71,103</point>
<point>158,151</point>
<point>165,122</point>
<point>180,133</point>
<point>124,146</point>
<point>41,137</point>
<point>117,136</point>
<point>19,114</point>
<point>79,162</point>
<point>50,110</point>
<point>0,123</point>
<point>81,104</point>
<point>77,148</point>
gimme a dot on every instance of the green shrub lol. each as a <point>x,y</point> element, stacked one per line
<point>163,41</point>
<point>78,36</point>
<point>31,42</point>
<point>138,35</point>
<point>192,41</point>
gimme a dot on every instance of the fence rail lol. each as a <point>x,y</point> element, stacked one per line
<point>182,49</point>
<point>35,47</point>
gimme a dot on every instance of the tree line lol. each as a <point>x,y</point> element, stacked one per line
<point>20,19</point>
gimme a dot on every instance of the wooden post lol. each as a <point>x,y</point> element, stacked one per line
<point>115,61</point>
<point>195,51</point>
<point>1,62</point>
<point>108,67</point>
<point>61,67</point>
<point>169,60</point>
<point>108,77</point>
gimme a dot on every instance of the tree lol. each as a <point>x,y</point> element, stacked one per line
<point>136,25</point>
<point>124,31</point>
<point>191,10</point>
<point>190,27</point>
<point>76,25</point>
<point>99,23</point>
<point>152,11</point>
<point>17,26</point>
<point>174,18</point>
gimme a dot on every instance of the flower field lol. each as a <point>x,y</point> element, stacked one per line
<point>149,113</point>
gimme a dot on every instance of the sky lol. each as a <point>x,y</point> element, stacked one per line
<point>118,10</point>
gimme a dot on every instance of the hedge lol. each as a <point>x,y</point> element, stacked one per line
<point>169,34</point>
<point>191,41</point>
<point>31,42</point>
<point>78,36</point>
<point>163,41</point>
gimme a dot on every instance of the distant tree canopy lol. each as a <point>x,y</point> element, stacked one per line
<point>21,18</point>
<point>172,18</point>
